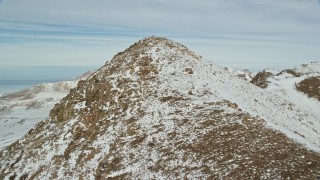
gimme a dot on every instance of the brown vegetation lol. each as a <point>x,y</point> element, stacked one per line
<point>260,79</point>
<point>310,86</point>
<point>290,71</point>
<point>209,140</point>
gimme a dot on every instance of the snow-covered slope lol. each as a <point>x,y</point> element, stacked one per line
<point>310,68</point>
<point>282,105</point>
<point>159,111</point>
<point>285,85</point>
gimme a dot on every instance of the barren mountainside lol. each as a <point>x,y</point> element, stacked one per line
<point>21,110</point>
<point>159,111</point>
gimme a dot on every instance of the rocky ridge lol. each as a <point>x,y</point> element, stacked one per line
<point>158,110</point>
<point>306,79</point>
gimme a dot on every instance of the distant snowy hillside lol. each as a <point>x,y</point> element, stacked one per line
<point>20,111</point>
<point>313,67</point>
<point>159,111</point>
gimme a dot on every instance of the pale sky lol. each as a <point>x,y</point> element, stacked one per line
<point>244,34</point>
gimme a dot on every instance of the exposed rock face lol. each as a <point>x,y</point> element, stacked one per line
<point>310,86</point>
<point>260,79</point>
<point>290,71</point>
<point>151,113</point>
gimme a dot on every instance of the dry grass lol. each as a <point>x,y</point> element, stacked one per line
<point>172,99</point>
<point>310,86</point>
<point>35,174</point>
<point>251,150</point>
<point>138,140</point>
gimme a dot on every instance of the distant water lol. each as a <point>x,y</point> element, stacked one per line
<point>9,86</point>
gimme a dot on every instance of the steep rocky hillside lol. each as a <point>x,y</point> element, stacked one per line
<point>159,111</point>
<point>22,110</point>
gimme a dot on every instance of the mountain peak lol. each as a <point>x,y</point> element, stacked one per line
<point>158,110</point>
<point>153,46</point>
<point>154,40</point>
<point>141,65</point>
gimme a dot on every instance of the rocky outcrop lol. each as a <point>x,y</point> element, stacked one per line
<point>290,71</point>
<point>260,79</point>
